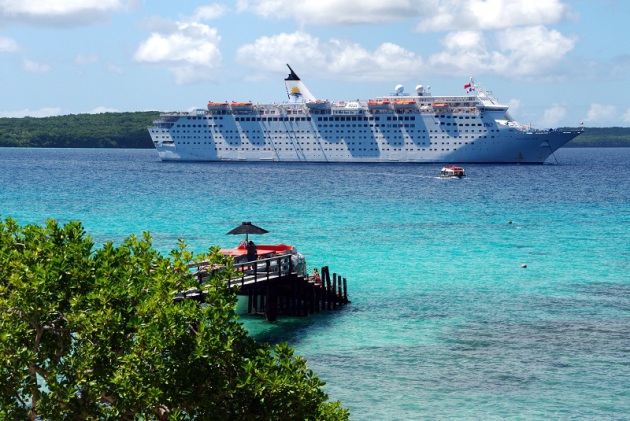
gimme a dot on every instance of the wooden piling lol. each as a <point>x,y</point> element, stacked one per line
<point>334,291</point>
<point>271,311</point>
<point>274,288</point>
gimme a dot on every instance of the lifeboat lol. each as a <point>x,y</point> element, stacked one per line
<point>404,104</point>
<point>217,105</point>
<point>440,105</point>
<point>374,104</point>
<point>318,104</point>
<point>241,106</point>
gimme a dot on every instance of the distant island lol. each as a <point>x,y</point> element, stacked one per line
<point>106,130</point>
<point>129,130</point>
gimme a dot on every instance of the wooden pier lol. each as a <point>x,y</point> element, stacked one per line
<point>276,286</point>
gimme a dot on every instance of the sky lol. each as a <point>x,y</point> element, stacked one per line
<point>556,63</point>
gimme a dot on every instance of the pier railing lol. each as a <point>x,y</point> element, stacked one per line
<point>277,285</point>
<point>263,269</point>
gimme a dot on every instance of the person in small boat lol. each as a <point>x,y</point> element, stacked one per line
<point>252,251</point>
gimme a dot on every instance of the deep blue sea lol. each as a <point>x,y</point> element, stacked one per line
<point>444,323</point>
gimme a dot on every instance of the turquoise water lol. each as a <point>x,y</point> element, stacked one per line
<point>444,322</point>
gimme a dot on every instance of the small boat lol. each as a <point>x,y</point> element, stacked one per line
<point>378,104</point>
<point>241,106</point>
<point>404,104</point>
<point>318,104</point>
<point>217,105</point>
<point>452,171</point>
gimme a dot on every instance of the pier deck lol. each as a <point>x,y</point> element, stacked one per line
<point>277,286</point>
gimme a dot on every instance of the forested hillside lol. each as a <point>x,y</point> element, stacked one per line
<point>129,130</point>
<point>598,137</point>
<point>108,130</point>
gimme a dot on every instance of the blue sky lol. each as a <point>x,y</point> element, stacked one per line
<point>555,62</point>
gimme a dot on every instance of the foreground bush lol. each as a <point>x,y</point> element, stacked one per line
<point>95,334</point>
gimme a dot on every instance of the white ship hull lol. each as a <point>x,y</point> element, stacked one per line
<point>471,129</point>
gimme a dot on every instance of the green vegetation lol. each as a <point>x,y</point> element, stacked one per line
<point>602,137</point>
<point>108,130</point>
<point>96,334</point>
<point>129,130</point>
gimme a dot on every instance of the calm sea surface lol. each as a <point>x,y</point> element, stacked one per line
<point>444,322</point>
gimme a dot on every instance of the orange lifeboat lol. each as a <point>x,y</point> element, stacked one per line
<point>217,105</point>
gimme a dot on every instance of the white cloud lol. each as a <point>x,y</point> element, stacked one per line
<point>82,59</point>
<point>191,52</point>
<point>600,114</point>
<point>486,15</point>
<point>514,105</point>
<point>336,58</point>
<point>35,67</point>
<point>553,116</point>
<point>482,36</point>
<point>8,45</point>
<point>158,24</point>
<point>626,116</point>
<point>467,51</point>
<point>528,51</point>
<point>271,53</point>
<point>42,112</point>
<point>532,50</point>
<point>210,12</point>
<point>433,15</point>
<point>102,110</point>
<point>333,12</point>
<point>58,12</point>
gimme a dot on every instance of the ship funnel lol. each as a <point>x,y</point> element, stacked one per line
<point>296,90</point>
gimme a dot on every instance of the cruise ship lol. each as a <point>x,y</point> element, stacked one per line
<point>399,127</point>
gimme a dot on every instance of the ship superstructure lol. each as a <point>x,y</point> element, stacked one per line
<point>399,127</point>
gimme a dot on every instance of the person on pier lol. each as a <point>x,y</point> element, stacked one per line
<point>315,278</point>
<point>252,251</point>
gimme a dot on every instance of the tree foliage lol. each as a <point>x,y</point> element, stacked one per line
<point>91,333</point>
<point>602,137</point>
<point>107,130</point>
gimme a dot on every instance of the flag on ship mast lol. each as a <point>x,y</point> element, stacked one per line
<point>469,87</point>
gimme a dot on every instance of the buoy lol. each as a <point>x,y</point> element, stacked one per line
<point>510,221</point>
<point>523,265</point>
